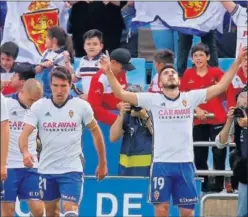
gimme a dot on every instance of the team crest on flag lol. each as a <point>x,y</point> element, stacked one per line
<point>71,113</point>
<point>36,25</point>
<point>193,9</point>
<point>185,103</point>
<point>156,195</point>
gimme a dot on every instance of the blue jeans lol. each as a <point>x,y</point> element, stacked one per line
<point>242,201</point>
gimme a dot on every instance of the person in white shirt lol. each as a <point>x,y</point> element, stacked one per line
<point>60,120</point>
<point>239,16</point>
<point>172,111</point>
<point>4,139</point>
<point>22,182</point>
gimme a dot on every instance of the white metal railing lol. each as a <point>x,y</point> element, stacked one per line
<point>206,144</point>
<point>214,172</point>
<point>217,197</point>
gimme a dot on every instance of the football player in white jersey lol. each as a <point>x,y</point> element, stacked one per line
<point>240,18</point>
<point>22,182</point>
<point>172,170</point>
<point>60,120</point>
<point>4,142</point>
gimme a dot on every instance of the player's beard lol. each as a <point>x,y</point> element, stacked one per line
<point>171,86</point>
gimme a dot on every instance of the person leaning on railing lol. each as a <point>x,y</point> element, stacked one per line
<point>236,125</point>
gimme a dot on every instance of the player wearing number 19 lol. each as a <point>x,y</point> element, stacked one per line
<point>60,120</point>
<point>172,170</point>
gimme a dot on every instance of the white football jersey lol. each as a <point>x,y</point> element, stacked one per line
<point>17,113</point>
<point>60,131</point>
<point>239,16</point>
<point>87,68</point>
<point>173,124</point>
<point>57,57</point>
<point>4,110</point>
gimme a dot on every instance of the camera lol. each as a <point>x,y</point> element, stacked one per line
<point>239,112</point>
<point>134,108</point>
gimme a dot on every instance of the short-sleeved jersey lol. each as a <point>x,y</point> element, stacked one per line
<point>4,110</point>
<point>87,68</point>
<point>239,16</point>
<point>17,112</point>
<point>173,123</point>
<point>60,131</point>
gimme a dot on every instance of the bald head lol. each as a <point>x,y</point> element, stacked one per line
<point>31,92</point>
<point>33,87</point>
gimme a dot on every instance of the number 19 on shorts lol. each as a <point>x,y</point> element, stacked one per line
<point>158,183</point>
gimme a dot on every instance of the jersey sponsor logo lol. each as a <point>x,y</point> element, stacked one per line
<point>174,113</point>
<point>36,25</point>
<point>190,81</point>
<point>59,126</point>
<point>16,125</point>
<point>193,9</point>
<point>188,200</point>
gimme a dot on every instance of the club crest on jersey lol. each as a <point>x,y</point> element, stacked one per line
<point>156,195</point>
<point>36,25</point>
<point>185,103</point>
<point>193,9</point>
<point>71,113</point>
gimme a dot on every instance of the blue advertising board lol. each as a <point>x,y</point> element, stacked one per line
<point>115,196</point>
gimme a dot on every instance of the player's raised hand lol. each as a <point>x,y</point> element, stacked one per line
<point>243,52</point>
<point>28,160</point>
<point>101,171</point>
<point>105,62</point>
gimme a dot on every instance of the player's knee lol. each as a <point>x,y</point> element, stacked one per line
<point>8,209</point>
<point>187,212</point>
<point>37,208</point>
<point>53,213</point>
<point>70,214</point>
<point>162,209</point>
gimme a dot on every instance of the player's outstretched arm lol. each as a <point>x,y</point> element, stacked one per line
<point>228,5</point>
<point>223,84</point>
<point>96,132</point>
<point>28,159</point>
<point>115,85</point>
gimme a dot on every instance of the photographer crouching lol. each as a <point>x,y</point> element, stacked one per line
<point>134,124</point>
<point>236,127</point>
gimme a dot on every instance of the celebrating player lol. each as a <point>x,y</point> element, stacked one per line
<point>60,120</point>
<point>172,170</point>
<point>22,182</point>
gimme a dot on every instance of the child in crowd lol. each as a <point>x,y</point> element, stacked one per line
<point>59,53</point>
<point>89,64</point>
<point>8,54</point>
<point>160,58</point>
<point>198,77</point>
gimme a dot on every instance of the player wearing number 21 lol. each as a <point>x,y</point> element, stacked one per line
<point>172,170</point>
<point>60,120</point>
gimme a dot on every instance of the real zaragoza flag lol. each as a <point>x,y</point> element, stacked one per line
<point>189,17</point>
<point>27,23</point>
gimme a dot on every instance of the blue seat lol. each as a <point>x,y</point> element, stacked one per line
<point>137,76</point>
<point>225,63</point>
<point>76,64</point>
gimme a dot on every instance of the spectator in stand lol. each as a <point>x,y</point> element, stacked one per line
<point>102,15</point>
<point>239,81</point>
<point>161,58</point>
<point>22,72</point>
<point>239,16</point>
<point>8,54</point>
<point>199,77</point>
<point>100,95</point>
<point>134,124</point>
<point>59,53</point>
<point>184,45</point>
<point>89,64</point>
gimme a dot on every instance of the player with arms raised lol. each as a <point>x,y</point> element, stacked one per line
<point>60,120</point>
<point>172,172</point>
